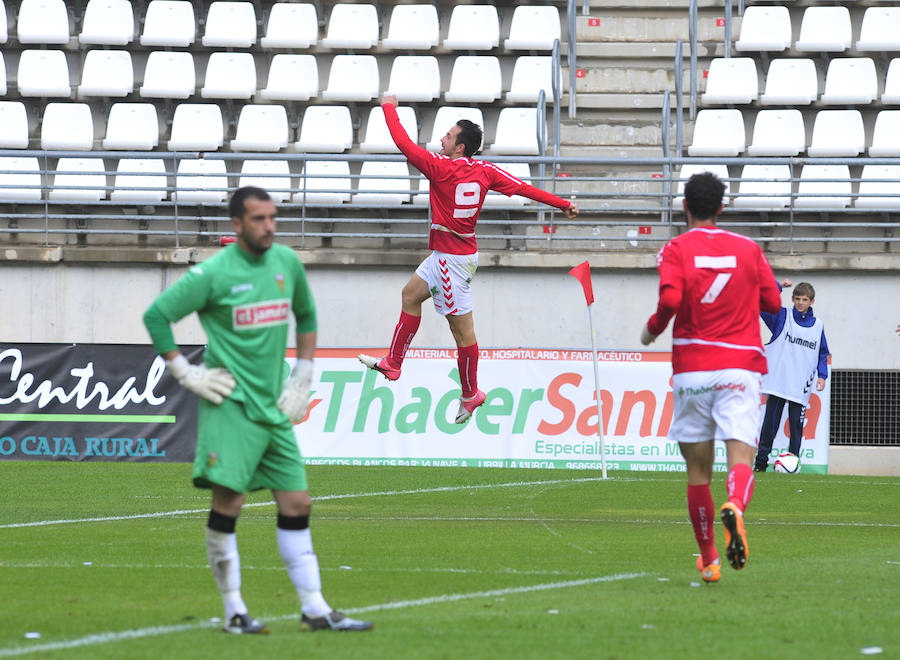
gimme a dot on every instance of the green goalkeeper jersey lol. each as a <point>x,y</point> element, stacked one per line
<point>244,303</point>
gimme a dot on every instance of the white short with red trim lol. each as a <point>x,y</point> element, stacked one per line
<point>449,277</point>
<point>716,405</point>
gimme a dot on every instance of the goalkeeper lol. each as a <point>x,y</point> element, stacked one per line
<point>244,297</point>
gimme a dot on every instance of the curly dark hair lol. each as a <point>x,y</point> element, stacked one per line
<point>703,193</point>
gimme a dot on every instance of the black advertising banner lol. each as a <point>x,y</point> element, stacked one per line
<point>94,402</point>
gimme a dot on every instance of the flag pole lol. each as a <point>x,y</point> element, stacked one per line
<point>597,389</point>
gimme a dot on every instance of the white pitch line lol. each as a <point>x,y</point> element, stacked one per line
<point>156,631</point>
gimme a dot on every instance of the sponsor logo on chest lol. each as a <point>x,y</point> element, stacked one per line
<point>260,314</point>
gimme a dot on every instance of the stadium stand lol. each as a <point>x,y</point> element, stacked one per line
<point>13,125</point>
<point>473,27</point>
<point>352,26</point>
<point>415,78</point>
<point>413,27</point>
<point>106,73</point>
<point>778,133</point>
<point>169,23</point>
<point>107,23</point>
<point>291,78</point>
<point>291,25</point>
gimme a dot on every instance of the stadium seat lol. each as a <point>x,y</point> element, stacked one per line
<point>415,78</point>
<point>475,79</point>
<point>880,29</point>
<point>731,80</point>
<point>378,138</point>
<point>533,27</point>
<point>139,180</point>
<point>4,25</point>
<point>837,133</point>
<point>520,171</point>
<point>43,73</point>
<point>291,25</point>
<point>261,128</point>
<point>825,29</point>
<point>689,170</point>
<point>791,82</point>
<point>68,126</point>
<point>230,25</point>
<point>516,132</point>
<point>324,182</point>
<point>778,133</point>
<point>413,27</point>
<point>834,192</point>
<point>718,133</point>
<point>208,177</point>
<point>392,191</point>
<point>197,127</point>
<point>42,22</point>
<point>325,128</point>
<point>874,193</point>
<point>106,73</point>
<point>107,23</point>
<point>291,78</point>
<point>132,127</point>
<point>771,190</point>
<point>891,94</point>
<point>352,78</point>
<point>229,76</point>
<point>78,180</point>
<point>169,75</point>
<point>13,125</point>
<point>169,23</point>
<point>530,75</point>
<point>20,178</point>
<point>422,194</point>
<point>765,28</point>
<point>3,81</point>
<point>473,27</point>
<point>446,117</point>
<point>886,135</point>
<point>273,176</point>
<point>352,26</point>
<point>850,81</point>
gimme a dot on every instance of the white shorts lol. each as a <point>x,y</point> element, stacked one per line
<point>449,277</point>
<point>716,405</point>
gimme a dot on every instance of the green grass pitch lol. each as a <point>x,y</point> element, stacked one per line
<point>456,563</point>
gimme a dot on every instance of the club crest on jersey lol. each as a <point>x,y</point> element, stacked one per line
<point>279,280</point>
<point>260,314</point>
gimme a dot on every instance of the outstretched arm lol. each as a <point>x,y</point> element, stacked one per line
<point>420,158</point>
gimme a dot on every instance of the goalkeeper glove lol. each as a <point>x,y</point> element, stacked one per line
<point>646,337</point>
<point>294,399</point>
<point>211,384</point>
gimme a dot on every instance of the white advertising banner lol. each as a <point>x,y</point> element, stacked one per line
<point>540,412</point>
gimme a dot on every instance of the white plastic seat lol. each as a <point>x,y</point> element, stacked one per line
<point>778,133</point>
<point>209,177</point>
<point>261,128</point>
<point>139,180</point>
<point>43,73</point>
<point>291,78</point>
<point>825,29</point>
<point>42,22</point>
<point>352,26</point>
<point>891,93</point>
<point>378,138</point>
<point>13,125</point>
<point>516,132</point>
<point>837,133</point>
<point>689,170</point>
<point>415,78</point>
<point>446,117</point>
<point>765,28</point>
<point>229,76</point>
<point>325,128</point>
<point>352,78</point>
<point>413,27</point>
<point>731,80</point>
<point>169,23</point>
<point>291,25</point>
<point>230,25</point>
<point>533,27</point>
<point>473,27</point>
<point>475,79</point>
<point>132,127</point>
<point>67,126</point>
<point>169,75</point>
<point>823,194</point>
<point>273,176</point>
<point>886,135</point>
<point>873,194</point>
<point>718,133</point>
<point>520,171</point>
<point>880,29</point>
<point>791,82</point>
<point>531,74</point>
<point>772,190</point>
<point>197,127</point>
<point>393,190</point>
<point>3,81</point>
<point>324,182</point>
<point>20,178</point>
<point>4,25</point>
<point>850,81</point>
<point>78,180</point>
<point>107,23</point>
<point>107,73</point>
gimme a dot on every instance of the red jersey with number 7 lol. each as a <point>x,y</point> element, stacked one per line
<point>457,190</point>
<point>715,283</point>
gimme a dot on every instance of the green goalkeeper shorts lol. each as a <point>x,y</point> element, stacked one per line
<point>243,455</point>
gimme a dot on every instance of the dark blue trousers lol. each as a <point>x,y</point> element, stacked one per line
<point>771,422</point>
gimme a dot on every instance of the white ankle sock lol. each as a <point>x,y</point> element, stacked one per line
<point>225,562</point>
<point>302,566</point>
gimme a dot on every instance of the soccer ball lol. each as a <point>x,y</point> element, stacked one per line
<point>787,463</point>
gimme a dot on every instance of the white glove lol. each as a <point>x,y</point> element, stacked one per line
<point>294,399</point>
<point>211,384</point>
<point>646,337</point>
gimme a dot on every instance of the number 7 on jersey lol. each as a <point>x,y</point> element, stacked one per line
<point>721,279</point>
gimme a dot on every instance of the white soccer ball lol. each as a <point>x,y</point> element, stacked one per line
<point>787,463</point>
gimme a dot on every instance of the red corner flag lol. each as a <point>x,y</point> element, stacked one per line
<point>582,273</point>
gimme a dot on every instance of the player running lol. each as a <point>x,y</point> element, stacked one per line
<point>458,185</point>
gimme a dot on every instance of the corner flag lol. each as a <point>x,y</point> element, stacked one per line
<point>582,273</point>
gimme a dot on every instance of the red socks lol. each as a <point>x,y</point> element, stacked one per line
<point>403,336</point>
<point>702,513</point>
<point>740,485</point>
<point>467,359</point>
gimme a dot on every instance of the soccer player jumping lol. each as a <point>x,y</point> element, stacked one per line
<point>715,283</point>
<point>458,185</point>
